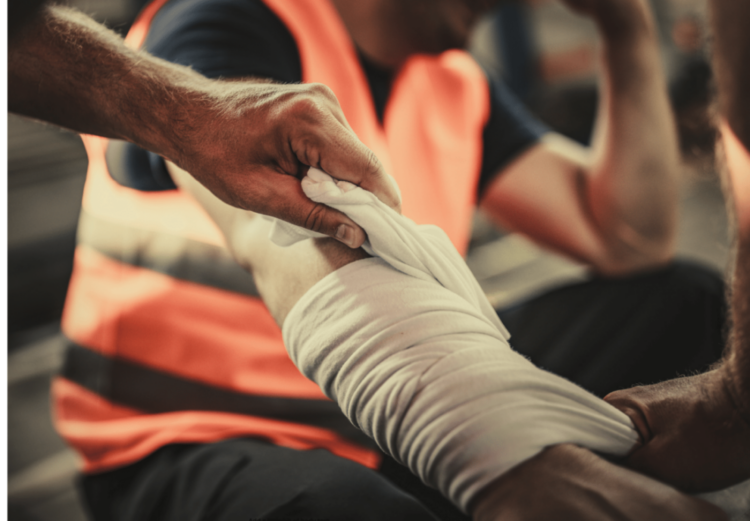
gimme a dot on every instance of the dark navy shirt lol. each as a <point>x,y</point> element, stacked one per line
<point>241,38</point>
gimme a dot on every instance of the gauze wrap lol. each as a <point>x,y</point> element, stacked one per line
<point>409,347</point>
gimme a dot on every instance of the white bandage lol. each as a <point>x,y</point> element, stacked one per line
<point>413,353</point>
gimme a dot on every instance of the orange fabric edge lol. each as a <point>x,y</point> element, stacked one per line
<point>123,436</point>
<point>101,288</point>
<point>738,164</point>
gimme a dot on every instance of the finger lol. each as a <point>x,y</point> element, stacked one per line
<point>356,163</point>
<point>342,155</point>
<point>624,401</point>
<point>292,205</point>
<point>378,181</point>
<point>323,219</point>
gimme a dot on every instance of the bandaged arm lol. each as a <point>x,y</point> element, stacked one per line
<point>434,383</point>
<point>422,371</point>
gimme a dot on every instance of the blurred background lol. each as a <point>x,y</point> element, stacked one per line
<point>546,54</point>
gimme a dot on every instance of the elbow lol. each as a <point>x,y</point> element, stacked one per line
<point>630,253</point>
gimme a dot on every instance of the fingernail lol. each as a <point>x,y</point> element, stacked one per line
<point>345,234</point>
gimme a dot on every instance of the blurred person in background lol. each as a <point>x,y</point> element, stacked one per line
<point>171,349</point>
<point>66,69</point>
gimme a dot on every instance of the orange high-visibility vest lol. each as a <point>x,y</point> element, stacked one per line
<point>168,340</point>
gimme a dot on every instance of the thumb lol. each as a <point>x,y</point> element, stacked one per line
<point>346,158</point>
<point>625,401</point>
<point>298,209</point>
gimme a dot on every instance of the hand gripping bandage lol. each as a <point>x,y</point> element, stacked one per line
<point>409,347</point>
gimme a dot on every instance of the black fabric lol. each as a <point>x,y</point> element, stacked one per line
<point>225,39</point>
<point>20,14</point>
<point>430,497</point>
<point>610,334</point>
<point>243,38</point>
<point>127,163</point>
<point>245,480</point>
<point>380,81</point>
<point>509,131</point>
<point>146,389</point>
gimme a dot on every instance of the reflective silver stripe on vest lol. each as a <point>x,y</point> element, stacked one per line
<point>153,391</point>
<point>178,257</point>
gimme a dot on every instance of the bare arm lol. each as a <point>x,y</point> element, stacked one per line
<point>614,206</point>
<point>731,56</point>
<point>696,431</point>
<point>566,473</point>
<point>249,142</point>
<point>737,358</point>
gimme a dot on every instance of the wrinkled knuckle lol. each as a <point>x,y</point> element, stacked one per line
<point>325,100</point>
<point>305,107</point>
<point>286,97</point>
<point>309,151</point>
<point>316,218</point>
<point>373,167</point>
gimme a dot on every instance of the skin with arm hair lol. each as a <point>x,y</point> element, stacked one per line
<point>574,481</point>
<point>696,431</point>
<point>249,142</point>
<point>613,206</point>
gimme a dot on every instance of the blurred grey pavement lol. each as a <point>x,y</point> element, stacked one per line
<point>46,170</point>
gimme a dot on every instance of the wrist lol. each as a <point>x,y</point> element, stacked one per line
<point>624,23</point>
<point>631,59</point>
<point>169,105</point>
<point>197,123</point>
<point>499,494</point>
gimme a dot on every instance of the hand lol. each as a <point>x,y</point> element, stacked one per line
<point>566,482</point>
<point>249,142</point>
<point>595,7</point>
<point>691,433</point>
<point>257,141</point>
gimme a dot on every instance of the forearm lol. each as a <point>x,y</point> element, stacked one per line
<point>612,206</point>
<point>69,70</point>
<point>695,430</point>
<point>731,54</point>
<point>631,185</point>
<point>66,69</point>
<point>246,140</point>
<point>711,411</point>
<point>736,366</point>
<point>396,354</point>
<point>736,363</point>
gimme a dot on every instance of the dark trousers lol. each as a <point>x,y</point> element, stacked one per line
<point>609,334</point>
<point>247,480</point>
<point>603,334</point>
